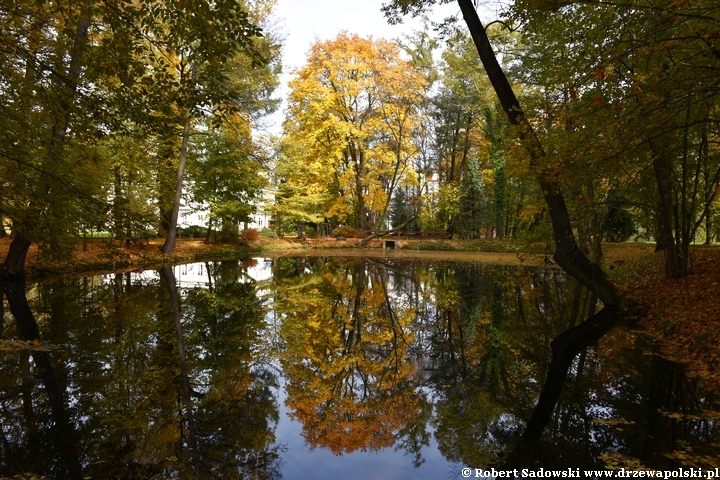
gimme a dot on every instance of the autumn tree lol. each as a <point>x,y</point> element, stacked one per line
<point>45,55</point>
<point>568,253</point>
<point>75,73</point>
<point>351,127</point>
<point>466,124</point>
<point>637,88</point>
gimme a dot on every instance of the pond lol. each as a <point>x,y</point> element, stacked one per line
<point>317,367</point>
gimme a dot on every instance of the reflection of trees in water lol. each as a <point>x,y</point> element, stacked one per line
<point>678,425</point>
<point>471,364</point>
<point>350,381</point>
<point>376,353</point>
<point>59,440</point>
<point>120,361</point>
<point>480,346</point>
<point>236,410</point>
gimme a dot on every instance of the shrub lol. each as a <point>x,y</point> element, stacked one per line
<point>347,232</point>
<point>250,235</point>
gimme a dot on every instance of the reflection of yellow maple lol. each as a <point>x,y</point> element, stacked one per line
<point>349,375</point>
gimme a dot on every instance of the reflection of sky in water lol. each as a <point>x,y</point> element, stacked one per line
<point>301,463</point>
<point>195,275</point>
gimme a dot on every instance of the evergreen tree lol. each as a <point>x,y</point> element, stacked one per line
<point>474,206</point>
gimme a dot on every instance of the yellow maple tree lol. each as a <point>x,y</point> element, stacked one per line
<point>349,136</point>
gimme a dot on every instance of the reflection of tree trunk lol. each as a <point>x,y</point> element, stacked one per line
<point>26,390</point>
<point>667,394</point>
<point>28,328</point>
<point>169,277</point>
<point>577,297</point>
<point>393,325</point>
<point>521,308</point>
<point>494,368</point>
<point>356,327</point>
<point>547,311</point>
<point>564,349</point>
<point>209,275</point>
<point>592,305</point>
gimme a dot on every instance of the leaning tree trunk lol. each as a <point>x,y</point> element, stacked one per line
<point>568,254</point>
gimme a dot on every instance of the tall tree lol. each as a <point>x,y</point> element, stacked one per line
<point>353,110</point>
<point>638,90</point>
<point>46,52</point>
<point>75,71</point>
<point>567,251</point>
<point>226,176</point>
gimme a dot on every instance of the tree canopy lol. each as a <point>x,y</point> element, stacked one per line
<point>101,97</point>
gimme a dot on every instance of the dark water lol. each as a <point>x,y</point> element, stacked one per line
<point>327,368</point>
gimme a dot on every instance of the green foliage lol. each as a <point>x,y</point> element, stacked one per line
<point>226,175</point>
<point>94,94</point>
<point>474,205</point>
<point>401,210</point>
<point>619,224</point>
<point>193,231</point>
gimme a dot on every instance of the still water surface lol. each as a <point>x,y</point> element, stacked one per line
<point>327,368</point>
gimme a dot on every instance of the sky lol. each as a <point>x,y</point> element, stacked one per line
<point>302,22</point>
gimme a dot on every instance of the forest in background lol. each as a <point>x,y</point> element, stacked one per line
<point>112,110</point>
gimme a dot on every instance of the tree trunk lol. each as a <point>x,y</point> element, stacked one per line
<point>169,244</point>
<point>375,235</point>
<point>567,253</point>
<point>708,227</point>
<point>663,175</point>
<point>14,264</point>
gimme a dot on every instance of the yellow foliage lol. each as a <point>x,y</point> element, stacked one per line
<point>351,120</point>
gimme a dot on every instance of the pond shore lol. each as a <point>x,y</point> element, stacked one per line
<point>104,255</point>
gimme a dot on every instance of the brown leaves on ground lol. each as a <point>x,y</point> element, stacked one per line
<point>683,314</point>
<point>98,255</point>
